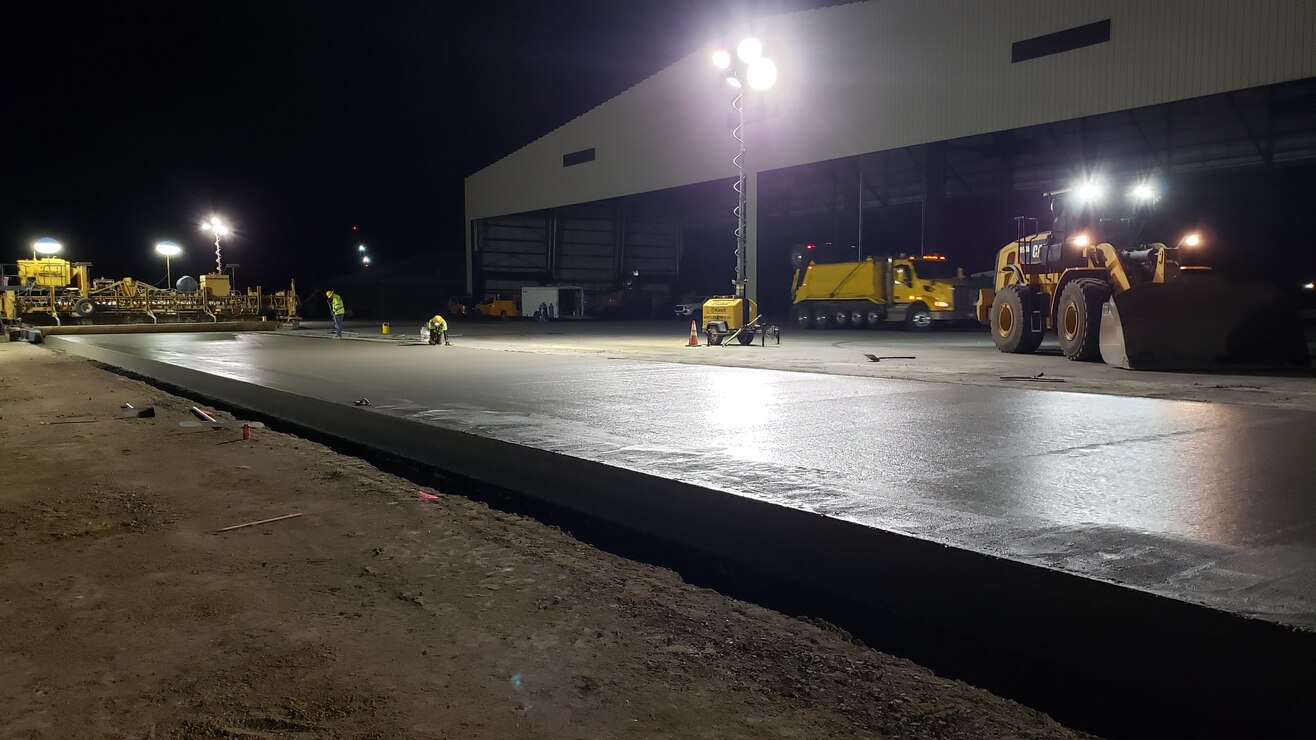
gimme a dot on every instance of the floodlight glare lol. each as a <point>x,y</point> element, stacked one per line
<point>762,74</point>
<point>1090,192</point>
<point>168,249</point>
<point>1082,240</point>
<point>749,50</point>
<point>722,59</point>
<point>1192,240</point>
<point>1143,192</point>
<point>360,247</point>
<point>216,226</point>
<point>732,81</point>
<point>46,245</point>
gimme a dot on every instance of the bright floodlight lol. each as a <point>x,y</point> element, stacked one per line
<point>46,245</point>
<point>762,74</point>
<point>1310,286</point>
<point>1082,240</point>
<point>1143,192</point>
<point>1192,240</point>
<point>1090,192</point>
<point>168,249</point>
<point>749,50</point>
<point>732,81</point>
<point>216,225</point>
<point>722,59</point>
<point>360,247</point>
<point>365,260</point>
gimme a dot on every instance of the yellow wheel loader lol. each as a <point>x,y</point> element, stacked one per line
<point>1135,306</point>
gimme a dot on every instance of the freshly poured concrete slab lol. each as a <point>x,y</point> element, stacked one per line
<point>1211,504</point>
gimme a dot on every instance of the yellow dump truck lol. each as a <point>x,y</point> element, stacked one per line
<point>916,291</point>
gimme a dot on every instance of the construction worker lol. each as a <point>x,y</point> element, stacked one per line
<point>336,308</point>
<point>438,329</point>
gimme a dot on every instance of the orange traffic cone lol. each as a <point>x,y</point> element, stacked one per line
<point>694,336</point>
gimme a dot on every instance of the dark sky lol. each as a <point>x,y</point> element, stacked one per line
<point>125,123</point>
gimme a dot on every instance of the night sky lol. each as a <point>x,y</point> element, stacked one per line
<point>126,123</point>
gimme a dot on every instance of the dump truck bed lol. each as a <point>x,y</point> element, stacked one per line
<point>846,281</point>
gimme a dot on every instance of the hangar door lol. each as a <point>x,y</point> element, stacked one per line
<point>597,247</point>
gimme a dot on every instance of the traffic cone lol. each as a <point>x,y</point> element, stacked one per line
<point>694,335</point>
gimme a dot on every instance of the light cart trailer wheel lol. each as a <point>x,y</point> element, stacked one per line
<point>1078,320</point>
<point>1010,326</point>
<point>746,338</point>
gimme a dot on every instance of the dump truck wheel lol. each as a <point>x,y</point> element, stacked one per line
<point>822,316</point>
<point>803,316</point>
<point>840,317</point>
<point>83,308</point>
<point>857,319</point>
<point>918,318</point>
<point>1078,321</point>
<point>874,317</point>
<point>1010,330</point>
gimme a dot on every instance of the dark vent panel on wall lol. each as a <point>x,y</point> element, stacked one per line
<point>1061,41</point>
<point>580,157</point>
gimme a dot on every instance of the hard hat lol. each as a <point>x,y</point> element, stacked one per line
<point>328,293</point>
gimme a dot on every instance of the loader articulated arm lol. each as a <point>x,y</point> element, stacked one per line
<point>1105,255</point>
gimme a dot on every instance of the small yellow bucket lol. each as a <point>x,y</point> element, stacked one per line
<point>384,329</point>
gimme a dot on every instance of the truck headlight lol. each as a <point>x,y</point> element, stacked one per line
<point>940,304</point>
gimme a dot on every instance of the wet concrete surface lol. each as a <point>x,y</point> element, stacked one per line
<point>1206,503</point>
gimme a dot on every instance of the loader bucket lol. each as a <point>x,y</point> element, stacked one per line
<point>1205,323</point>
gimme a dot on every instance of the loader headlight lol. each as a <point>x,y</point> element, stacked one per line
<point>1090,192</point>
<point>940,304</point>
<point>1082,240</point>
<point>1191,240</point>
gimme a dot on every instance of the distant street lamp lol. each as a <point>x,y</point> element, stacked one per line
<point>749,69</point>
<point>217,227</point>
<point>47,246</point>
<point>168,250</point>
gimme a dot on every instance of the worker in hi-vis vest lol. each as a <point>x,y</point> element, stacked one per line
<point>438,330</point>
<point>336,308</point>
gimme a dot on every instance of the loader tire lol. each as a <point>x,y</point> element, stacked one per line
<point>1010,326</point>
<point>1078,319</point>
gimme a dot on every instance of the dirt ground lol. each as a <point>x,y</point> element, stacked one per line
<point>379,611</point>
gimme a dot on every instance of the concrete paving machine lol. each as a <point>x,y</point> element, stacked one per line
<point>1133,304</point>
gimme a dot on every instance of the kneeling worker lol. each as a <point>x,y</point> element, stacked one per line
<point>438,329</point>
